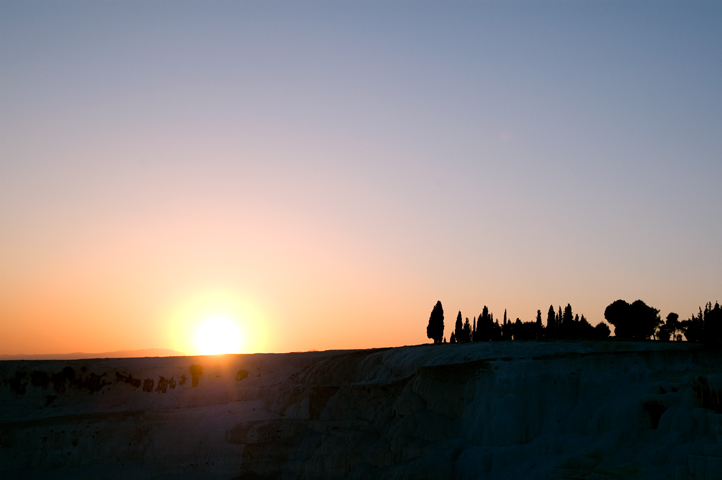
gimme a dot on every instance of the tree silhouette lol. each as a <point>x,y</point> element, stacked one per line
<point>713,323</point>
<point>496,331</point>
<point>564,323</point>
<point>559,318</point>
<point>458,328</point>
<point>524,330</point>
<point>694,327</point>
<point>435,329</point>
<point>507,329</point>
<point>674,326</point>
<point>670,328</point>
<point>618,313</point>
<point>484,327</point>
<point>466,331</point>
<point>462,330</point>
<point>636,321</point>
<point>551,322</point>
<point>706,326</point>
<point>567,322</point>
<point>586,330</point>
<point>646,320</point>
<point>601,330</point>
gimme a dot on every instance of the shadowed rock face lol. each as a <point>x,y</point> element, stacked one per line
<point>503,410</point>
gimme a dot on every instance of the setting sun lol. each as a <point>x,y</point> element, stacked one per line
<point>217,320</point>
<point>218,335</point>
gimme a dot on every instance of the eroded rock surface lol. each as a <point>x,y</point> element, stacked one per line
<point>547,410</point>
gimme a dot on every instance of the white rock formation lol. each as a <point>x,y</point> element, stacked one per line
<point>544,410</point>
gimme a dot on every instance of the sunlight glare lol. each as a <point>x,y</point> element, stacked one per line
<point>218,335</point>
<point>188,315</point>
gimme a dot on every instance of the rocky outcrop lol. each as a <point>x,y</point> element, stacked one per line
<point>495,410</point>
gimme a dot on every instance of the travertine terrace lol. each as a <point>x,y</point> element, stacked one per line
<point>541,410</point>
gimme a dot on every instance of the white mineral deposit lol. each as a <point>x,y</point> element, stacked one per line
<point>531,410</point>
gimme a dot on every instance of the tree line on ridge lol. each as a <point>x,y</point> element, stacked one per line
<point>635,321</point>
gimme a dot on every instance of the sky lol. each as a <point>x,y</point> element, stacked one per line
<point>321,173</point>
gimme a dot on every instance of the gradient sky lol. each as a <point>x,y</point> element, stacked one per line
<point>324,172</point>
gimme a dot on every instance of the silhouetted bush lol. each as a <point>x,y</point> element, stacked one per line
<point>527,330</point>
<point>148,385</point>
<point>134,382</point>
<point>601,330</point>
<point>164,383</point>
<point>435,329</point>
<point>196,372</point>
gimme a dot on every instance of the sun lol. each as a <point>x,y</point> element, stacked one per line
<point>218,335</point>
<point>215,321</point>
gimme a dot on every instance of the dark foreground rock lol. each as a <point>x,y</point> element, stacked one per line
<point>546,410</point>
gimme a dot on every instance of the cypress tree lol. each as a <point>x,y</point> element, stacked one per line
<point>466,332</point>
<point>458,328</point>
<point>435,328</point>
<point>484,327</point>
<point>551,324</point>
<point>559,317</point>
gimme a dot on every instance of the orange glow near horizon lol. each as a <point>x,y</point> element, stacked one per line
<point>217,323</point>
<point>325,188</point>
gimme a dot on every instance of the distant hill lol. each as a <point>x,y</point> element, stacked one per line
<point>146,352</point>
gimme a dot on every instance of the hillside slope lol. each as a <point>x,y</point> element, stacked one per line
<point>542,410</point>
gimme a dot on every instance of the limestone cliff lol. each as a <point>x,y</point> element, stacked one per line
<point>543,410</point>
